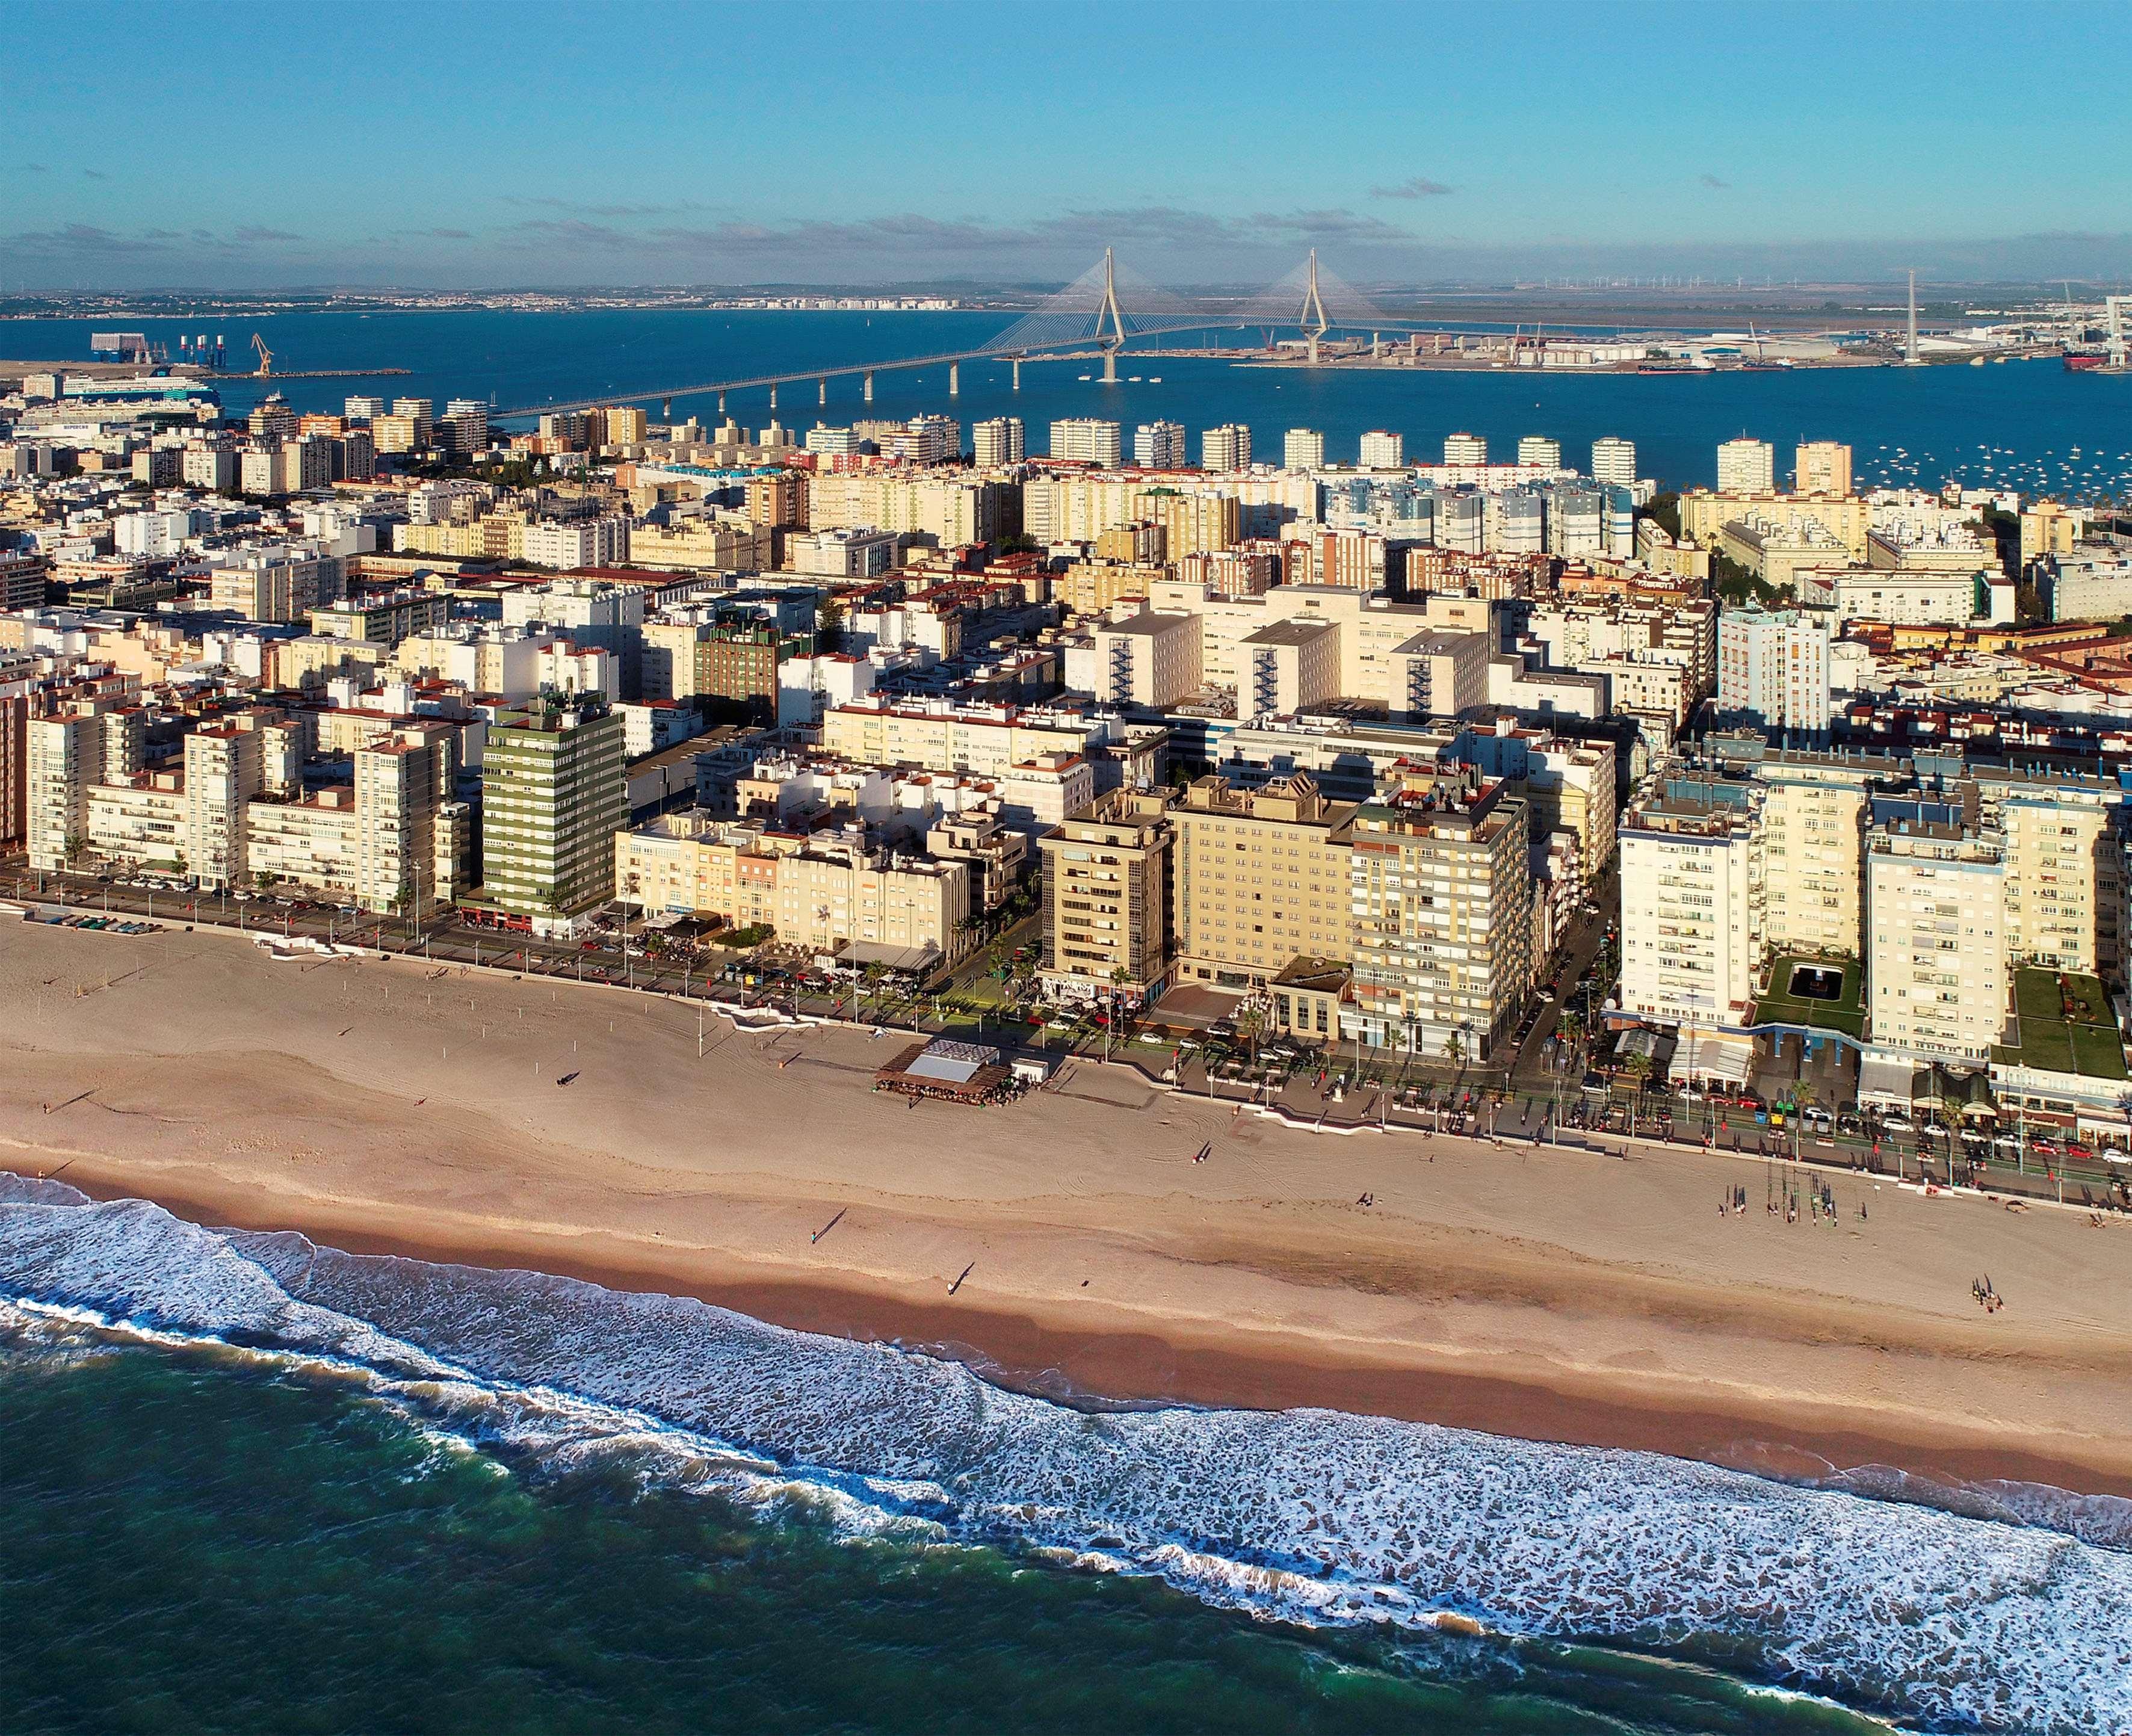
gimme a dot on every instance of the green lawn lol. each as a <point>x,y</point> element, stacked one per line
<point>2088,1043</point>
<point>1844,1014</point>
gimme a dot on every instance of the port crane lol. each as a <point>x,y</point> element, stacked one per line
<point>266,355</point>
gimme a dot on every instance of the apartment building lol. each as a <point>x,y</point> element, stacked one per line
<point>1614,461</point>
<point>1303,448</point>
<point>63,756</point>
<point>1041,793</point>
<point>1936,975</point>
<point>1106,899</point>
<point>1570,787</point>
<point>947,511</point>
<point>705,545</point>
<point>1820,467</point>
<point>1147,659</point>
<point>394,840</point>
<point>1773,666</point>
<point>1371,629</point>
<point>1225,448</point>
<point>275,584</point>
<point>998,441</point>
<point>1086,440</point>
<point>1691,902</point>
<point>986,740</point>
<point>1156,446</point>
<point>822,890</point>
<point>1814,819</point>
<point>1440,896</point>
<point>728,668</point>
<point>1286,667</point>
<point>1900,598</point>
<point>1746,466</point>
<point>1438,674</point>
<point>1094,587</point>
<point>383,620</point>
<point>554,793</point>
<point>1261,879</point>
<point>583,542</point>
<point>1847,518</point>
<point>1384,450</point>
<point>2063,838</point>
<point>1539,451</point>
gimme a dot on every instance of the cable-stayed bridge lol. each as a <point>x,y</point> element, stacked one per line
<point>1107,308</point>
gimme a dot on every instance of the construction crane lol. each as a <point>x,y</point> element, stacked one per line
<point>266,355</point>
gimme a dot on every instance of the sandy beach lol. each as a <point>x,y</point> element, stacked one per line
<point>385,1106</point>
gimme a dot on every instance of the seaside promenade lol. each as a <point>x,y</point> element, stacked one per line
<point>1336,1092</point>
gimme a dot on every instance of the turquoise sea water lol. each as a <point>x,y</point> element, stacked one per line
<point>189,1540</point>
<point>2026,425</point>
<point>247,1483</point>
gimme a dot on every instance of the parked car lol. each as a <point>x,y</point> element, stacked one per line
<point>1896,1121</point>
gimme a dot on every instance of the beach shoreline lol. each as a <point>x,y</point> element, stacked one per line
<point>1125,1370</point>
<point>1549,1295</point>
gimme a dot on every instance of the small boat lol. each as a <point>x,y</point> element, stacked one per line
<point>1155,379</point>
<point>1132,379</point>
<point>1087,377</point>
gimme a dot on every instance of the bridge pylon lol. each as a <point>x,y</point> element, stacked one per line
<point>1115,341</point>
<point>1312,319</point>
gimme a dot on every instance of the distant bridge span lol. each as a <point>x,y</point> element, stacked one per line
<point>1087,314</point>
<point>844,370</point>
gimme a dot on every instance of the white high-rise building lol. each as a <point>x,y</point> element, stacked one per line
<point>1001,440</point>
<point>1540,452</point>
<point>1936,959</point>
<point>1614,460</point>
<point>1159,446</point>
<point>1303,448</point>
<point>1086,440</point>
<point>1773,666</point>
<point>1465,448</point>
<point>1746,466</point>
<point>1226,447</point>
<point>1382,450</point>
<point>1689,851</point>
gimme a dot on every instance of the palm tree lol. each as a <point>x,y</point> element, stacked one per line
<point>1638,1068</point>
<point>1951,1103</point>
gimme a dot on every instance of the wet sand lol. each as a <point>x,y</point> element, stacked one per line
<point>377,1106</point>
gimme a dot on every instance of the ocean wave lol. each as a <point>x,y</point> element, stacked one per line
<point>1936,1618</point>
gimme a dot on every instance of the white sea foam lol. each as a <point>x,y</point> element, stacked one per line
<point>1936,1618</point>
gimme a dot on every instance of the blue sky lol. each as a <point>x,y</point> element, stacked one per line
<point>463,144</point>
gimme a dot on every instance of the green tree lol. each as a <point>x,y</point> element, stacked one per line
<point>1664,511</point>
<point>830,627</point>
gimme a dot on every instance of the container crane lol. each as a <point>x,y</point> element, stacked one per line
<point>266,355</point>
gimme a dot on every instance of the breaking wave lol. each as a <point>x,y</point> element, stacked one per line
<point>2012,1614</point>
